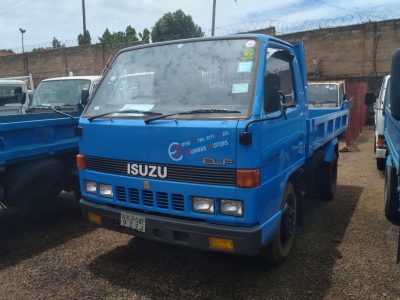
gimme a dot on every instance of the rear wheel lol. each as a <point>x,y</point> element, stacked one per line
<point>281,244</point>
<point>391,196</point>
<point>381,164</point>
<point>33,182</point>
<point>327,177</point>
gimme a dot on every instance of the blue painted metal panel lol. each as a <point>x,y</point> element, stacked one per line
<point>23,137</point>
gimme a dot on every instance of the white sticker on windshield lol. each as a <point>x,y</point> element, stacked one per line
<point>96,108</point>
<point>250,43</point>
<point>238,88</point>
<point>145,107</point>
<point>245,67</point>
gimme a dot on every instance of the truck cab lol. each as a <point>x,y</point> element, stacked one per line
<point>326,94</point>
<point>207,148</point>
<point>63,93</point>
<point>14,98</point>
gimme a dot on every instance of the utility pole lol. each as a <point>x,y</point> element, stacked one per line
<point>84,17</point>
<point>213,18</point>
<point>22,35</point>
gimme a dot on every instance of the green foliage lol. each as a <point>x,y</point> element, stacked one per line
<point>84,39</point>
<point>57,43</point>
<point>174,26</point>
<point>38,49</point>
<point>130,34</point>
<point>119,37</point>
<point>9,51</point>
<point>145,36</point>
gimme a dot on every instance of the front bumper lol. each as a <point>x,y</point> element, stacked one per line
<point>195,234</point>
<point>380,153</point>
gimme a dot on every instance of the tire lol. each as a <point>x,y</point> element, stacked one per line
<point>281,244</point>
<point>381,164</point>
<point>391,196</point>
<point>327,178</point>
<point>33,182</point>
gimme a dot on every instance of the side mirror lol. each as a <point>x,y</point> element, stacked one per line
<point>23,98</point>
<point>395,86</point>
<point>18,90</point>
<point>84,96</point>
<point>369,99</point>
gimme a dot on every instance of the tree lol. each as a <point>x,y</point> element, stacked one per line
<point>84,39</point>
<point>38,49</point>
<point>106,37</point>
<point>145,36</point>
<point>57,43</point>
<point>130,34</point>
<point>174,26</point>
<point>8,51</point>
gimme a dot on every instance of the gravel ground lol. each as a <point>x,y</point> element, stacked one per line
<point>345,250</point>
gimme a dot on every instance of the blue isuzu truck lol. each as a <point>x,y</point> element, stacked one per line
<point>207,143</point>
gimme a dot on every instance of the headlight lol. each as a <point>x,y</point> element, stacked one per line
<point>203,205</point>
<point>231,207</point>
<point>105,190</point>
<point>91,187</point>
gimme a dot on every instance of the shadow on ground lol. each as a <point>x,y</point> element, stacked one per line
<point>27,232</point>
<point>158,270</point>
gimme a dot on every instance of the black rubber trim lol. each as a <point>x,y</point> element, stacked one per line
<point>194,234</point>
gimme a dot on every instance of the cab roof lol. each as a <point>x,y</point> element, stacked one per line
<point>91,78</point>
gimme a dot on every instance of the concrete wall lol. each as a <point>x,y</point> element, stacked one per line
<point>362,50</point>
<point>81,60</point>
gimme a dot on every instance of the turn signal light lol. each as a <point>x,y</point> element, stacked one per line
<point>220,244</point>
<point>380,141</point>
<point>247,178</point>
<point>94,218</point>
<point>81,161</point>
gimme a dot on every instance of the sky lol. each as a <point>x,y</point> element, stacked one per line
<point>45,19</point>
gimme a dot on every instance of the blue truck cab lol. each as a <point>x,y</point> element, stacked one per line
<point>38,148</point>
<point>207,143</point>
<point>392,139</point>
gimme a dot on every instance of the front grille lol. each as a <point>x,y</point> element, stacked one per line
<point>149,198</point>
<point>204,175</point>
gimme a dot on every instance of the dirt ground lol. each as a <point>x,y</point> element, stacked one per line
<point>345,250</point>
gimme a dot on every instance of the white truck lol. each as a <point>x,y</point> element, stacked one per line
<point>14,98</point>
<point>326,94</point>
<point>379,140</point>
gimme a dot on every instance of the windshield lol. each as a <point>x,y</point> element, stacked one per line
<point>10,94</point>
<point>172,78</point>
<point>59,92</point>
<point>322,93</point>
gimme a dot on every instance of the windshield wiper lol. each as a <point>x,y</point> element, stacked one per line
<point>39,106</point>
<point>190,112</point>
<point>65,106</point>
<point>129,111</point>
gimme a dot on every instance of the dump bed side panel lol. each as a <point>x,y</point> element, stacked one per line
<point>325,125</point>
<point>29,137</point>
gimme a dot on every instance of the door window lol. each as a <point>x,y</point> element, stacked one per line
<point>278,80</point>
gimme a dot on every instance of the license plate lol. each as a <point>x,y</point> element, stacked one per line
<point>133,221</point>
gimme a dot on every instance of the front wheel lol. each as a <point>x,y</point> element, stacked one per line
<point>391,196</point>
<point>281,244</point>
